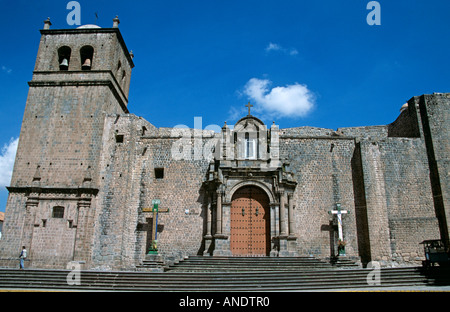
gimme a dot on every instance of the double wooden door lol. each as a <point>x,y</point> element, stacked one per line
<point>249,222</point>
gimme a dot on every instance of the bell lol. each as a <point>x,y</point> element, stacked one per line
<point>64,64</point>
<point>87,64</point>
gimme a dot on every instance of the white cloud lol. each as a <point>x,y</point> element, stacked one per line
<point>7,157</point>
<point>6,69</point>
<point>276,47</point>
<point>294,100</point>
<point>273,47</point>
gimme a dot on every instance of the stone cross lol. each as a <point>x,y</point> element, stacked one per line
<point>249,105</point>
<point>339,214</point>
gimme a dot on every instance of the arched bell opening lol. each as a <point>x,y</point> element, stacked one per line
<point>64,53</point>
<point>86,56</point>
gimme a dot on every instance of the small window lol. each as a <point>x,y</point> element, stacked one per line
<point>118,71</point>
<point>119,138</point>
<point>64,57</point>
<point>159,173</point>
<point>58,212</point>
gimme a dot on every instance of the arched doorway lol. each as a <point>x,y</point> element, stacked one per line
<point>250,222</point>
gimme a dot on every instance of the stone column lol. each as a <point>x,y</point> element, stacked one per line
<point>292,239</point>
<point>221,239</point>
<point>219,213</point>
<point>208,218</point>
<point>274,229</point>
<point>283,225</point>
<point>274,220</point>
<point>291,214</point>
<point>208,237</point>
<point>81,250</point>
<point>30,222</point>
<point>283,239</point>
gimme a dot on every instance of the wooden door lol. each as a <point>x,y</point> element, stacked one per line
<point>249,222</point>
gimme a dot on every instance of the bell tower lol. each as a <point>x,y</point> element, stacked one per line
<point>81,75</point>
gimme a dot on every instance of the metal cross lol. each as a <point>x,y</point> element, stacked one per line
<point>249,105</point>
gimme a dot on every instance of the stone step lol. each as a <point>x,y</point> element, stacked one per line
<point>152,263</point>
<point>127,277</point>
<point>254,260</point>
<point>198,263</point>
<point>218,281</point>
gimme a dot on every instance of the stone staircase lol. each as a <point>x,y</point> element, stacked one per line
<point>151,263</point>
<point>227,275</point>
<point>255,264</point>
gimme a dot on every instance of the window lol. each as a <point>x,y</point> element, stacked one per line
<point>159,173</point>
<point>250,147</point>
<point>123,82</point>
<point>86,55</point>
<point>119,66</point>
<point>119,138</point>
<point>64,57</point>
<point>58,212</point>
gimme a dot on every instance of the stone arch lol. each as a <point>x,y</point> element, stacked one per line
<point>259,184</point>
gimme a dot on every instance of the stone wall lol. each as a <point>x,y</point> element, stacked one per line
<point>398,198</point>
<point>60,133</point>
<point>435,116</point>
<point>128,186</point>
<point>322,170</point>
<point>14,230</point>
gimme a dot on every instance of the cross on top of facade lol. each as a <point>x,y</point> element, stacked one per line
<point>249,105</point>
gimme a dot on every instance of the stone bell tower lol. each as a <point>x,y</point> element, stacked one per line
<point>80,76</point>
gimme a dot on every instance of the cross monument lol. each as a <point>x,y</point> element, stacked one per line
<point>156,210</point>
<point>339,214</point>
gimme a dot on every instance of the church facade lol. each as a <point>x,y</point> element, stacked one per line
<point>89,175</point>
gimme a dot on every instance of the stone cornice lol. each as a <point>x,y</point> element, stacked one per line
<point>43,191</point>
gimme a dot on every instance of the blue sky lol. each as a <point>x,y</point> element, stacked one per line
<point>300,63</point>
